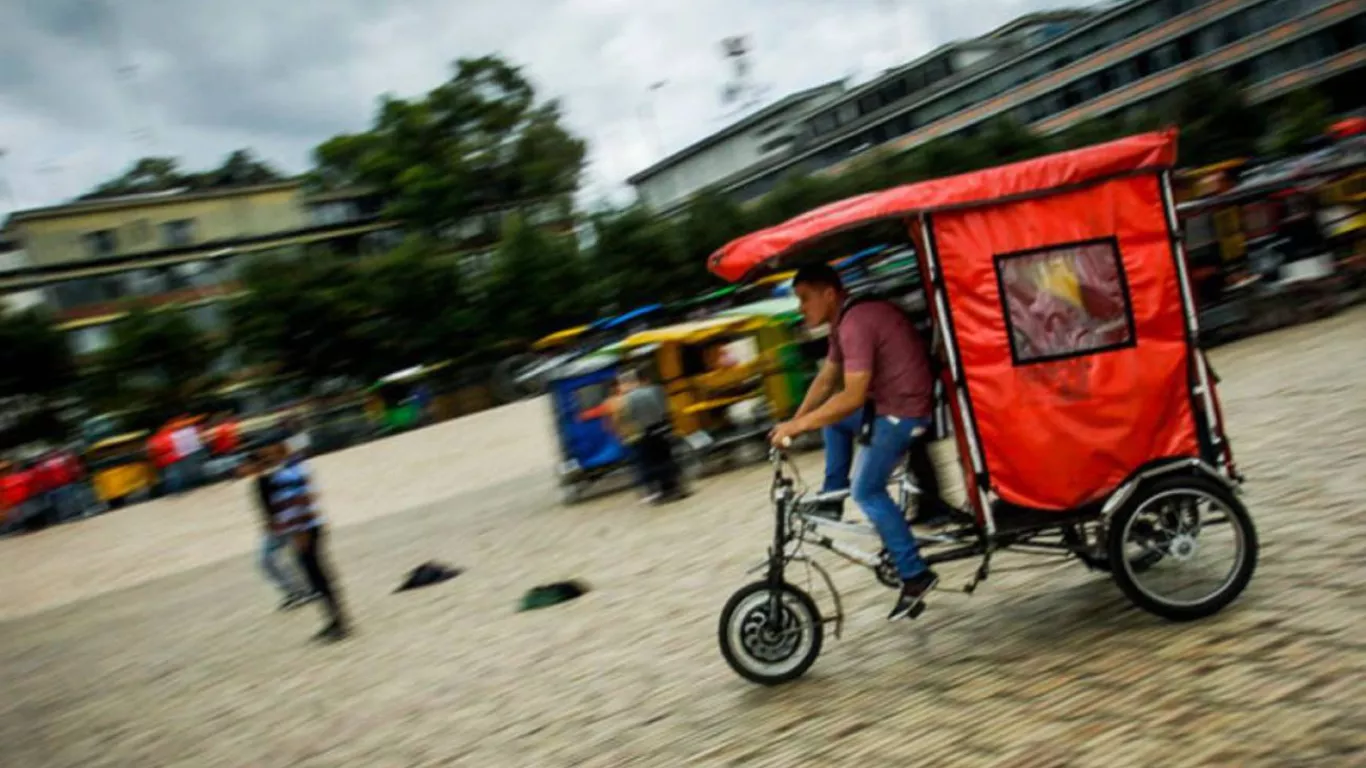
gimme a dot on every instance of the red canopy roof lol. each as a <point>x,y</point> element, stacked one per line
<point>763,250</point>
<point>1348,127</point>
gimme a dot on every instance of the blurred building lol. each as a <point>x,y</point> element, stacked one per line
<point>89,260</point>
<point>13,259</point>
<point>1053,70</point>
<point>766,133</point>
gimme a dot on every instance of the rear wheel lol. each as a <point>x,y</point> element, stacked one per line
<point>768,649</point>
<point>1182,548</point>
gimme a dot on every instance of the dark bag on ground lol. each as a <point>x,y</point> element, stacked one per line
<point>428,573</point>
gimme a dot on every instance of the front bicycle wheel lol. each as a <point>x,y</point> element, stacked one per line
<point>770,636</point>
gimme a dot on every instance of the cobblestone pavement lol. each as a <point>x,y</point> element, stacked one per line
<point>1041,667</point>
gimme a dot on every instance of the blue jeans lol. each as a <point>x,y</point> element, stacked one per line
<point>877,461</point>
<point>281,577</point>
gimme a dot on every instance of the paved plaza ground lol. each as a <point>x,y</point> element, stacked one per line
<point>146,637</point>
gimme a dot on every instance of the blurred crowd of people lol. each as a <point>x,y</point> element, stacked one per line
<point>49,488</point>
<point>61,484</point>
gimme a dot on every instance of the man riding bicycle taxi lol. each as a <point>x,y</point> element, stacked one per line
<point>885,367</point>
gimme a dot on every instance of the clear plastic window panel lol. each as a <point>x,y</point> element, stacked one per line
<point>1066,301</point>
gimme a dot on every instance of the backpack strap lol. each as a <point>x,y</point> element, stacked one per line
<point>932,342</point>
<point>869,417</point>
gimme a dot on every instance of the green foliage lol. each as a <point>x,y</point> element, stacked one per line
<point>309,316</point>
<point>158,362</point>
<point>34,358</point>
<point>478,140</point>
<point>1216,121</point>
<point>640,259</point>
<point>418,310</point>
<point>538,283</point>
<point>160,174</point>
<point>1303,116</point>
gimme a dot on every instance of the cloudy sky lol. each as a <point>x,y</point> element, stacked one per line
<point>202,77</point>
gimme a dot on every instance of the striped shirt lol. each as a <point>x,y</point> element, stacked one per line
<point>290,490</point>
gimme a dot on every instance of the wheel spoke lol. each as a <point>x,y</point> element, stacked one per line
<point>1176,560</point>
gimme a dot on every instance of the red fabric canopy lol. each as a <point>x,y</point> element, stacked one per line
<point>752,254</point>
<point>1348,127</point>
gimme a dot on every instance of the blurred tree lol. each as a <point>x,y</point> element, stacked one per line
<point>310,316</point>
<point>538,284</point>
<point>478,140</point>
<point>149,174</point>
<point>710,221</point>
<point>420,310</point>
<point>1094,131</point>
<point>1215,119</point>
<point>639,259</point>
<point>159,360</point>
<point>36,372</point>
<point>239,169</point>
<point>1300,118</point>
<point>34,358</point>
<point>162,174</point>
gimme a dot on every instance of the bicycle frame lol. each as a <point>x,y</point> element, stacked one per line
<point>793,527</point>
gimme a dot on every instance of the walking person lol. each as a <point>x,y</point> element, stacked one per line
<point>282,575</point>
<point>295,512</point>
<point>643,404</point>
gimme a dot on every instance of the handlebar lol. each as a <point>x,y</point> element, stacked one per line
<point>778,454</point>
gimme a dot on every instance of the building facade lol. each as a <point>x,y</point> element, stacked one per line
<point>87,261</point>
<point>767,133</point>
<point>1053,71</point>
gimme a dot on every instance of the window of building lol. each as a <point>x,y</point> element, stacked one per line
<point>1342,37</point>
<point>208,318</point>
<point>1165,58</point>
<point>100,244</point>
<point>848,113</point>
<point>1185,48</point>
<point>823,123</point>
<point>895,91</point>
<point>869,104</point>
<point>177,234</point>
<point>135,234</point>
<point>772,127</point>
<point>146,282</point>
<point>776,143</point>
<point>1080,292</point>
<point>1208,40</point>
<point>88,341</point>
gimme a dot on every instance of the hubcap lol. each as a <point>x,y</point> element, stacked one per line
<point>1183,548</point>
<point>767,642</point>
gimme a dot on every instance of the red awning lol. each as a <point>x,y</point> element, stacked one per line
<point>768,249</point>
<point>1348,127</point>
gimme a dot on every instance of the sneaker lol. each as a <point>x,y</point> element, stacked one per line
<point>333,632</point>
<point>911,601</point>
<point>940,515</point>
<point>826,509</point>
